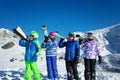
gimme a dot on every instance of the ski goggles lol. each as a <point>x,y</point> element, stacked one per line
<point>31,35</point>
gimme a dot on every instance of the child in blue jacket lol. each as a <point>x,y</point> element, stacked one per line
<point>33,50</point>
<point>51,58</point>
<point>72,56</point>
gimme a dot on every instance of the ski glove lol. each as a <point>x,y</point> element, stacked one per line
<point>46,39</point>
<point>76,61</point>
<point>80,41</point>
<point>77,35</point>
<point>62,39</point>
<point>99,59</point>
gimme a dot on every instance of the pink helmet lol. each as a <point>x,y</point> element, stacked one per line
<point>52,34</point>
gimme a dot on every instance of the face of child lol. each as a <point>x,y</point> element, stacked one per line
<point>90,36</point>
<point>52,37</point>
<point>71,37</point>
<point>31,37</point>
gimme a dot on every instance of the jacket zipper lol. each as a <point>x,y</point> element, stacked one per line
<point>69,54</point>
<point>29,51</point>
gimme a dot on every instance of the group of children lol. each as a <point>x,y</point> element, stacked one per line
<point>72,56</point>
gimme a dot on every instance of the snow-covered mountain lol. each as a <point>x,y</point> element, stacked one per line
<point>108,39</point>
<point>12,56</point>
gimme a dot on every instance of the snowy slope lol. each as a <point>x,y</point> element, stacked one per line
<point>7,54</point>
<point>108,39</point>
<point>12,59</point>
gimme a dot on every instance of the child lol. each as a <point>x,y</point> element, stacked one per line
<point>72,56</point>
<point>51,49</point>
<point>33,50</point>
<point>91,51</point>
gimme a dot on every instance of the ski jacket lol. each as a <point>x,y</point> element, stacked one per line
<point>33,49</point>
<point>90,49</point>
<point>51,47</point>
<point>72,49</point>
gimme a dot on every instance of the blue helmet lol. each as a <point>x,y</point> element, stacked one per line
<point>71,34</point>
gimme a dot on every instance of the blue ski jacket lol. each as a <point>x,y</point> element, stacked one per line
<point>51,47</point>
<point>72,50</point>
<point>33,49</point>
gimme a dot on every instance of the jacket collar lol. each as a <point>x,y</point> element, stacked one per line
<point>33,39</point>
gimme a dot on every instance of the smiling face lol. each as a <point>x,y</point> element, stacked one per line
<point>70,37</point>
<point>90,36</point>
<point>52,37</point>
<point>31,37</point>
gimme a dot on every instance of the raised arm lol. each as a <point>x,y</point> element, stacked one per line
<point>61,43</point>
<point>22,43</point>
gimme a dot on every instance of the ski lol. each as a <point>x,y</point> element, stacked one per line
<point>44,28</point>
<point>18,31</point>
<point>59,35</point>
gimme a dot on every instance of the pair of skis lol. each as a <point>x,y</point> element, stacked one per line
<point>18,31</point>
<point>21,33</point>
<point>44,28</point>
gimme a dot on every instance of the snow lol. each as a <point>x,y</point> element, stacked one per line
<point>109,42</point>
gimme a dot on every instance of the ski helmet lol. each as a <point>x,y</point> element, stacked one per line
<point>90,36</point>
<point>71,34</point>
<point>35,34</point>
<point>89,33</point>
<point>52,34</point>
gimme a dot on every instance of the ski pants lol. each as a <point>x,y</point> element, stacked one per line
<point>90,72</point>
<point>72,72</point>
<point>31,67</point>
<point>52,67</point>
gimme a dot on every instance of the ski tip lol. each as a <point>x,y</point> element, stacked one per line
<point>17,26</point>
<point>44,27</point>
<point>56,31</point>
<point>14,30</point>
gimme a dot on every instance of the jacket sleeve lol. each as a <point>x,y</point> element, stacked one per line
<point>38,47</point>
<point>77,50</point>
<point>61,44</point>
<point>97,49</point>
<point>46,44</point>
<point>82,46</point>
<point>22,43</point>
<point>43,45</point>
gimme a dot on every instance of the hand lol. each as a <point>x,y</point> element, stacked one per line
<point>80,41</point>
<point>99,59</point>
<point>34,58</point>
<point>62,39</point>
<point>46,39</point>
<point>77,35</point>
<point>76,61</point>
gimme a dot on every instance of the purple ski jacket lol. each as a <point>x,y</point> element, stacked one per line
<point>90,49</point>
<point>51,48</point>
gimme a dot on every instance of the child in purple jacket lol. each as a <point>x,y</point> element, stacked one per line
<point>91,51</point>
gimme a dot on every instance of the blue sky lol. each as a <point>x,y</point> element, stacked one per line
<point>59,15</point>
